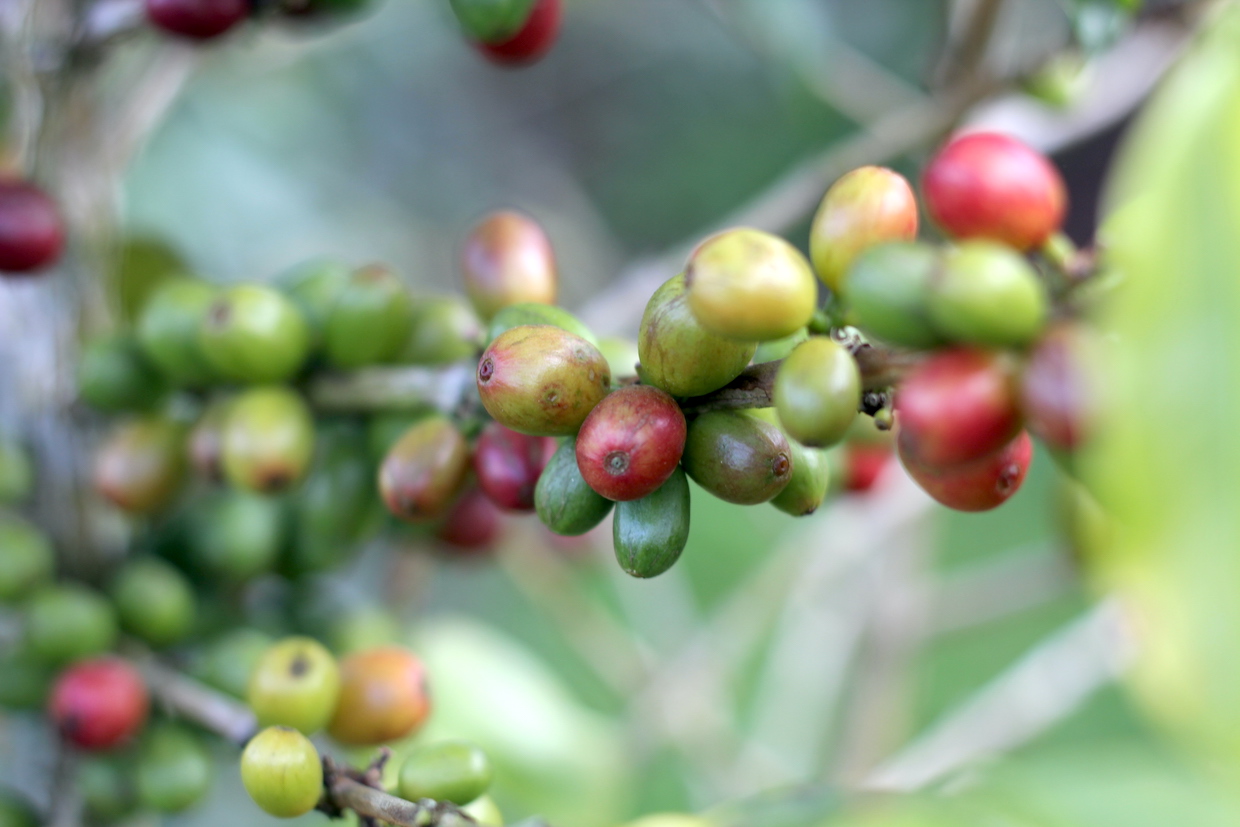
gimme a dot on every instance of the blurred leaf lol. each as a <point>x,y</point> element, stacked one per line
<point>794,807</point>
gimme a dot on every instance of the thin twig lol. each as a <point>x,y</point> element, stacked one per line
<point>968,51</point>
<point>214,711</point>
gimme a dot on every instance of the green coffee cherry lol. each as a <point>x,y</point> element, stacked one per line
<point>621,355</point>
<point>313,286</point>
<point>529,313</point>
<point>491,21</point>
<point>252,333</point>
<point>424,471</point>
<point>140,466</point>
<point>565,502</point>
<point>168,330</point>
<point>751,286</point>
<point>817,392</point>
<point>868,206</point>
<point>114,375</point>
<point>268,440</point>
<point>282,772</point>
<point>737,458</point>
<point>25,682</point>
<point>364,627</point>
<point>295,683</point>
<point>26,558</point>
<point>445,329</point>
<point>16,472</point>
<point>651,533</point>
<point>453,771</point>
<point>329,508</point>
<point>68,622</point>
<point>107,787</point>
<point>237,535</point>
<point>370,320</point>
<point>811,473</point>
<point>485,812</point>
<point>987,294</point>
<point>777,349</point>
<point>681,356</point>
<point>154,601</point>
<point>889,293</point>
<point>174,769</point>
<point>146,264</point>
<point>228,662</point>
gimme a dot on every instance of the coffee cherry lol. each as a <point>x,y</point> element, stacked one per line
<point>526,313</point>
<point>868,206</point>
<point>811,473</point>
<point>296,683</point>
<point>484,811</point>
<point>197,19</point>
<point>252,333</point>
<point>98,704</point>
<point>565,502</point>
<point>330,508</point>
<point>889,293</point>
<point>681,356</point>
<point>957,406</point>
<point>631,442</point>
<point>313,287</point>
<point>268,440</point>
<point>154,601</point>
<point>141,465</point>
<point>228,662</point>
<point>532,40</point>
<point>979,485</point>
<point>1057,395</point>
<point>621,355</point>
<point>817,392</point>
<point>16,472</point>
<point>986,294</point>
<point>282,772</point>
<point>25,682</point>
<point>16,813</point>
<point>472,524</point>
<point>453,771</point>
<point>237,535</point>
<point>988,185</point>
<point>114,375</point>
<point>491,21</point>
<point>383,697</point>
<point>650,534</point>
<point>32,233</point>
<point>863,464</point>
<point>106,785</point>
<point>67,622</point>
<point>508,465</point>
<point>26,558</point>
<point>384,429</point>
<point>777,349</point>
<point>445,329</point>
<point>174,769</point>
<point>750,285</point>
<point>423,472</point>
<point>508,260</point>
<point>737,458</point>
<point>206,440</point>
<point>168,330</point>
<point>370,320</point>
<point>541,380</point>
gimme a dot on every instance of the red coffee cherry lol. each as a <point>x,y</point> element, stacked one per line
<point>473,523</point>
<point>957,406</point>
<point>980,485</point>
<point>863,464</point>
<point>532,40</point>
<point>631,442</point>
<point>1055,392</point>
<point>32,233</point>
<point>508,465</point>
<point>99,703</point>
<point>197,19</point>
<point>988,185</point>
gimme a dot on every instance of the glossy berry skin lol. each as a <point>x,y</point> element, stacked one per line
<point>174,769</point>
<point>454,771</point>
<point>68,621</point>
<point>565,502</point>
<point>196,19</point>
<point>383,697</point>
<point>508,465</point>
<point>32,232</point>
<point>868,206</point>
<point>989,185</point>
<point>533,40</point>
<point>282,772</point>
<point>957,406</point>
<point>141,465</point>
<point>650,534</point>
<point>817,392</point>
<point>508,260</point>
<point>268,440</point>
<point>472,524</point>
<point>99,704</point>
<point>631,442</point>
<point>737,457</point>
<point>423,472</point>
<point>1055,389</point>
<point>254,334</point>
<point>296,684</point>
<point>979,485</point>
<point>987,294</point>
<point>889,293</point>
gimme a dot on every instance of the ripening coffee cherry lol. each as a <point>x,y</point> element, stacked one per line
<point>650,534</point>
<point>738,458</point>
<point>472,524</point>
<point>252,333</point>
<point>174,769</point>
<point>106,785</point>
<point>989,185</point>
<point>445,329</point>
<point>268,440</point>
<point>979,485</point>
<point>565,502</point>
<point>370,320</point>
<point>383,697</point>
<point>631,442</point>
<point>957,406</point>
<point>313,287</point>
<point>889,293</point>
<point>508,465</point>
<point>26,558</point>
<point>228,662</point>
<point>533,40</point>
<point>817,392</point>
<point>154,601</point>
<point>197,19</point>
<point>868,206</point>
<point>424,471</point>
<point>236,535</point>
<point>750,285</point>
<point>508,260</point>
<point>114,375</point>
<point>1057,396</point>
<point>98,704</point>
<point>168,330</point>
<point>811,473</point>
<point>206,440</point>
<point>985,293</point>
<point>678,354</point>
<point>67,622</point>
<point>296,683</point>
<point>140,466</point>
<point>541,380</point>
<point>16,472</point>
<point>515,315</point>
<point>384,429</point>
<point>453,771</point>
<point>282,772</point>
<point>329,509</point>
<point>32,233</point>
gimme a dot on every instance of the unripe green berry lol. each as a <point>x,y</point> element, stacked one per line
<point>328,509</point>
<point>987,294</point>
<point>650,534</point>
<point>168,330</point>
<point>107,787</point>
<point>252,333</point>
<point>889,293</point>
<point>777,349</point>
<point>295,684</point>
<point>174,769</point>
<point>817,392</point>
<point>314,286</point>
<point>868,206</point>
<point>370,320</point>
<point>26,558</point>
<point>282,772</point>
<point>268,439</point>
<point>811,474</point>
<point>228,662</point>
<point>68,622</point>
<point>491,21</point>
<point>114,375</point>
<point>453,771</point>
<point>528,313</point>
<point>565,502</point>
<point>154,601</point>
<point>484,811</point>
<point>237,535</point>
<point>444,329</point>
<point>16,472</point>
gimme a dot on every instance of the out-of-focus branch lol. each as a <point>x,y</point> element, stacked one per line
<point>214,711</point>
<point>394,388</point>
<point>1015,582</point>
<point>967,52</point>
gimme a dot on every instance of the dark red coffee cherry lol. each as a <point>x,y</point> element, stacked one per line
<point>863,464</point>
<point>980,485</point>
<point>532,40</point>
<point>631,442</point>
<point>1056,394</point>
<point>508,465</point>
<point>473,523</point>
<point>32,233</point>
<point>197,19</point>
<point>99,704</point>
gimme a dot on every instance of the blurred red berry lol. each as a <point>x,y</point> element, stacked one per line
<point>473,523</point>
<point>532,41</point>
<point>1056,395</point>
<point>99,704</point>
<point>197,19</point>
<point>863,464</point>
<point>980,485</point>
<point>508,465</point>
<point>32,233</point>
